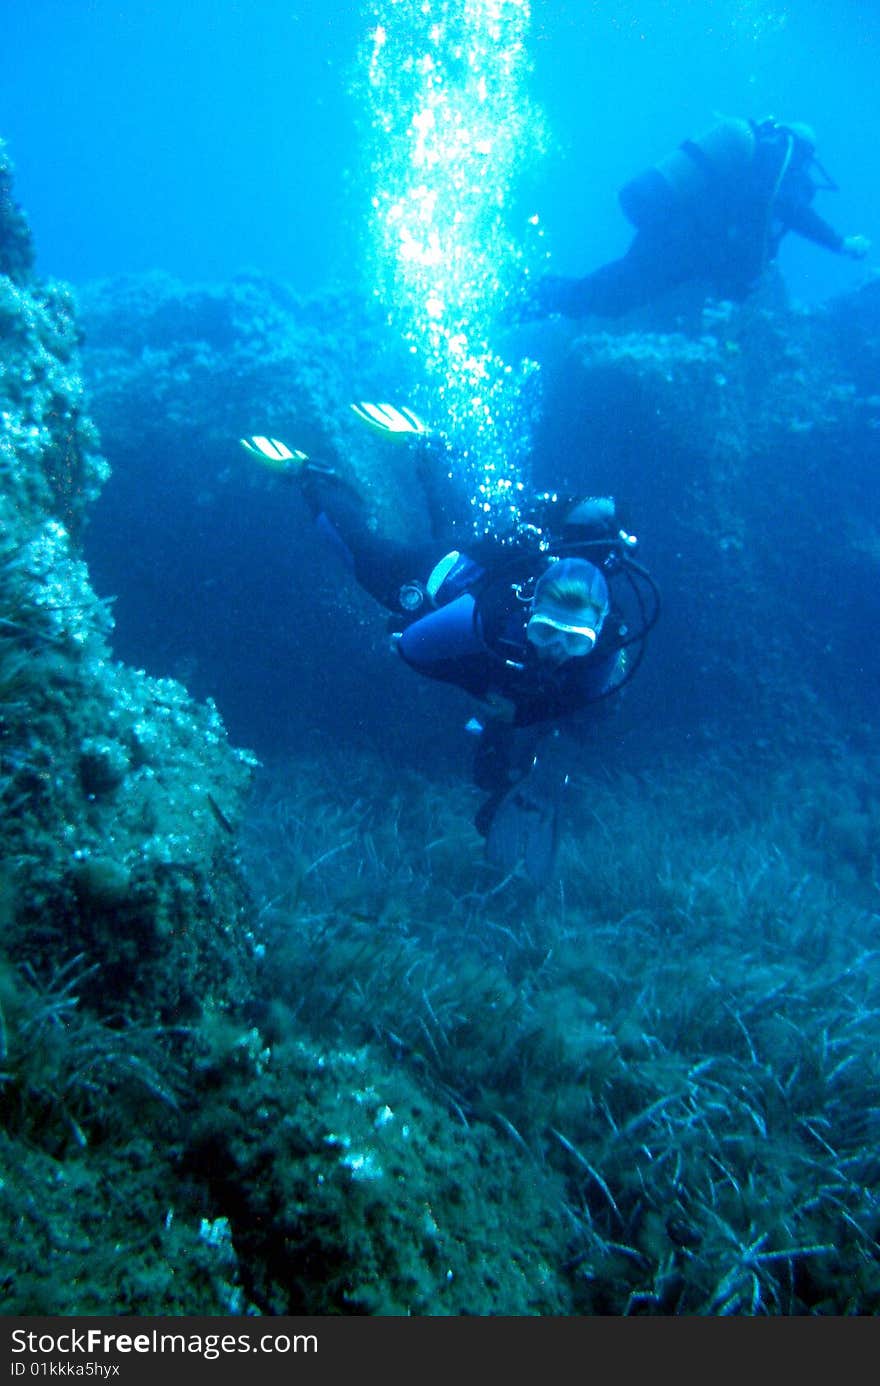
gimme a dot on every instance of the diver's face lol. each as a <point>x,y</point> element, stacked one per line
<point>554,646</point>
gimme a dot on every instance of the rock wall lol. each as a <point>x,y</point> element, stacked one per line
<point>119,791</point>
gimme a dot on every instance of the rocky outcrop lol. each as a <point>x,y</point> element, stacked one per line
<point>119,792</point>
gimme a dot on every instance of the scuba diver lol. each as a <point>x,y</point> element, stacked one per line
<point>537,626</point>
<point>714,212</point>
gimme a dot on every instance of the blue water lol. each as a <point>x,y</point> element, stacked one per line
<point>214,136</point>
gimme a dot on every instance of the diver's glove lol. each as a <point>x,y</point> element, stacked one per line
<point>278,457</point>
<point>856,247</point>
<point>388,419</point>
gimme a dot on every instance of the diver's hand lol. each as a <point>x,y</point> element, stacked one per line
<point>856,247</point>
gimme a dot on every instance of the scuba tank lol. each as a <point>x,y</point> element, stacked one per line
<point>681,181</point>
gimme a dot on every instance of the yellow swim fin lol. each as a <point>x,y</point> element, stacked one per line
<point>389,419</point>
<point>275,454</point>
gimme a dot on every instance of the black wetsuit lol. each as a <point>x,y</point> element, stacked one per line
<point>469,629</point>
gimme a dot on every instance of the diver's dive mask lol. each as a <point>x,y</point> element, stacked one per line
<point>546,631</point>
<point>556,625</point>
<point>570,644</point>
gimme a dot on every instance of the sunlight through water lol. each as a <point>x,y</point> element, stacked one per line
<point>451,128</point>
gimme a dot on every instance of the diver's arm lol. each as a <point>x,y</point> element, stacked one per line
<point>802,219</point>
<point>559,707</point>
<point>597,678</point>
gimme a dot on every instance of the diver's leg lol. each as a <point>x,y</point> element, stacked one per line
<point>387,569</point>
<point>444,481</point>
<point>522,825</point>
<point>650,267</point>
<point>493,756</point>
<point>503,756</point>
<point>607,292</point>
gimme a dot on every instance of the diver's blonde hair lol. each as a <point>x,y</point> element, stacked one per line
<point>571,591</point>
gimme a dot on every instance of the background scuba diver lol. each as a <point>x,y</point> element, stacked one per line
<point>527,625</point>
<point>714,211</point>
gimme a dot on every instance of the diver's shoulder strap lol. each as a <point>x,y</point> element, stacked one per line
<point>699,157</point>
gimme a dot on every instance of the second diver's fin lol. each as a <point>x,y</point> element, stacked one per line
<point>524,830</point>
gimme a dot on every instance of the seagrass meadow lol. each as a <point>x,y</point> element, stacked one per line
<point>274,1038</point>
